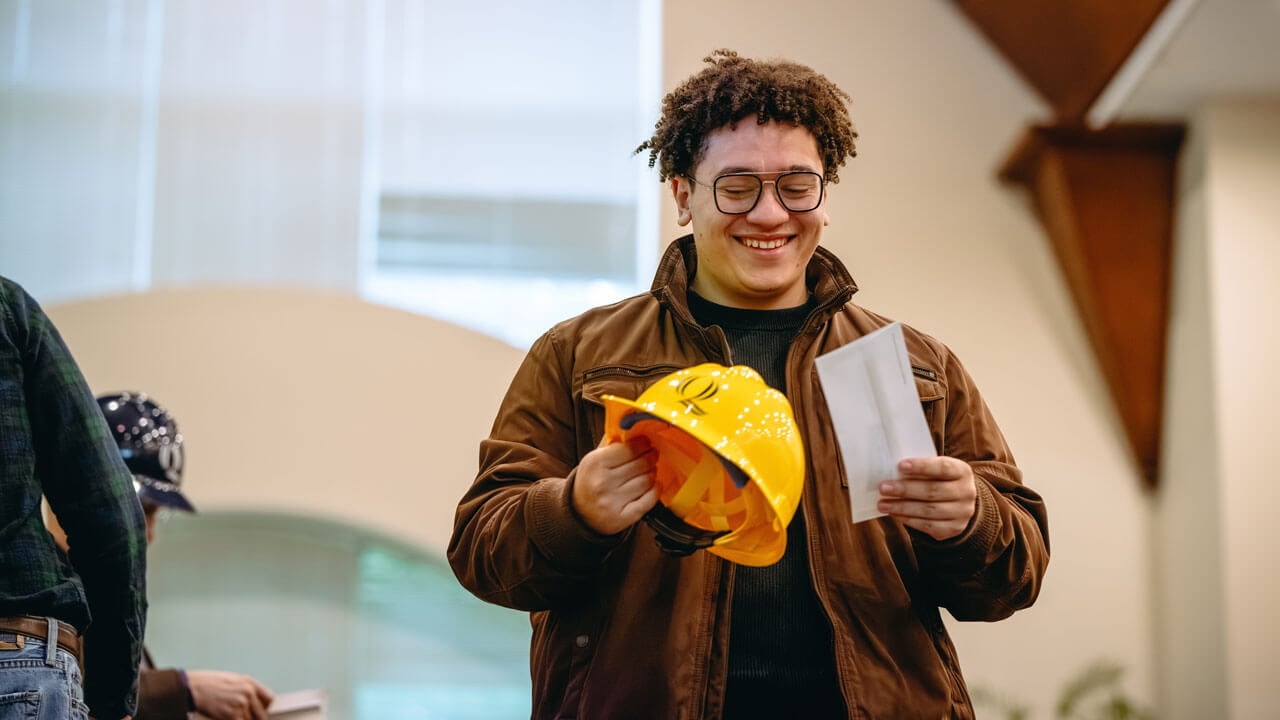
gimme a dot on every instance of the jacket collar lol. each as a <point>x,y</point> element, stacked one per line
<point>830,282</point>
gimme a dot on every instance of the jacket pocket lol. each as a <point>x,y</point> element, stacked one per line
<point>961,703</point>
<point>579,665</point>
<point>932,395</point>
<point>933,402</point>
<point>624,381</point>
<point>578,636</point>
<point>563,646</point>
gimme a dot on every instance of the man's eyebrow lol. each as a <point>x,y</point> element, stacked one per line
<point>743,169</point>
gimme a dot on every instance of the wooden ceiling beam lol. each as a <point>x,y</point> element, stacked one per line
<point>1106,198</point>
<point>1068,50</point>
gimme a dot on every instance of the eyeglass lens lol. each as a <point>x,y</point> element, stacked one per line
<point>737,194</point>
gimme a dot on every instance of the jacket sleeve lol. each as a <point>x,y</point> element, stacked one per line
<point>90,490</point>
<point>516,540</point>
<point>997,564</point>
<point>161,696</point>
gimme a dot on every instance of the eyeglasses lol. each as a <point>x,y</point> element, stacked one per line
<point>739,193</point>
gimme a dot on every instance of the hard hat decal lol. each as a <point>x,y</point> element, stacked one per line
<point>730,462</point>
<point>697,388</point>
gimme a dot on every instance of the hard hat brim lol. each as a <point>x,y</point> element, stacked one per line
<point>767,550</point>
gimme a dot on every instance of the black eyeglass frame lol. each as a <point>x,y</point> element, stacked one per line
<point>760,182</point>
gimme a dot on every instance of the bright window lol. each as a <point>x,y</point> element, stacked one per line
<point>467,160</point>
<point>508,197</point>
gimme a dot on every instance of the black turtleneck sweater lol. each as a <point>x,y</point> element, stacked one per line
<point>781,652</point>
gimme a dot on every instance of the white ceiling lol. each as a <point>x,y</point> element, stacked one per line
<point>1218,49</point>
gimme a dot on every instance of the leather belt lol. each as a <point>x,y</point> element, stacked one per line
<point>38,628</point>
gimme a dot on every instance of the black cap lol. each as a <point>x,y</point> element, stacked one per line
<point>151,446</point>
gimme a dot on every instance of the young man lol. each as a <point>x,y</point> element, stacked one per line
<point>847,623</point>
<point>152,447</point>
<point>54,443</point>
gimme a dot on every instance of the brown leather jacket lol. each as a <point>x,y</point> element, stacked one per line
<point>621,630</point>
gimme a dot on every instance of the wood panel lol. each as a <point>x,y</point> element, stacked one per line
<point>1106,199</point>
<point>1068,50</point>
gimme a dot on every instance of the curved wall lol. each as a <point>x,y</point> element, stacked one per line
<point>305,402</point>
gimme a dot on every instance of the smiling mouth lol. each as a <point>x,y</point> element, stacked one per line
<point>764,244</point>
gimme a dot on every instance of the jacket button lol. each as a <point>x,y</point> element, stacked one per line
<point>582,641</point>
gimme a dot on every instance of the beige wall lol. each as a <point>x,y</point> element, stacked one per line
<point>1189,649</point>
<point>1214,552</point>
<point>303,402</point>
<point>1242,194</point>
<point>319,404</point>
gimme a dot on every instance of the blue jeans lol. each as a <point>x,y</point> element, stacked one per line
<point>36,684</point>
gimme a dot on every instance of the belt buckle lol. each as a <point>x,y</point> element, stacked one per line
<point>12,641</point>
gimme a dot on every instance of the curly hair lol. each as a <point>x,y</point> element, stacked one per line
<point>733,88</point>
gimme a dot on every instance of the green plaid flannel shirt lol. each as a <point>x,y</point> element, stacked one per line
<point>54,442</point>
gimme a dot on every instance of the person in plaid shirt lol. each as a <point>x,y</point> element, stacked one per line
<point>54,442</point>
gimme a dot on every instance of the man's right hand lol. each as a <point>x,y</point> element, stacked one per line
<point>228,696</point>
<point>614,485</point>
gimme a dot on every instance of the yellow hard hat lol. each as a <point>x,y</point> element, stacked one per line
<point>730,461</point>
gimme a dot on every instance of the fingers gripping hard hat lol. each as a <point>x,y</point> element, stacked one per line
<point>730,461</point>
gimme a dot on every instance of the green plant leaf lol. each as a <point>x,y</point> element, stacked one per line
<point>1101,674</point>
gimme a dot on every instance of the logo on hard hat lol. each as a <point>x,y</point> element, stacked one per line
<point>695,388</point>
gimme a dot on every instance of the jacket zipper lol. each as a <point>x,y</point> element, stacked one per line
<point>816,576</point>
<point>612,370</point>
<point>924,373</point>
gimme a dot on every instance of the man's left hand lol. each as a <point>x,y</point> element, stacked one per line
<point>224,695</point>
<point>935,495</point>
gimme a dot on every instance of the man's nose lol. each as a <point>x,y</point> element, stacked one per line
<point>769,209</point>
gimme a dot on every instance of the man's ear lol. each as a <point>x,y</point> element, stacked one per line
<point>680,188</point>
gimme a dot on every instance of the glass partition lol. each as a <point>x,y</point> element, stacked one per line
<point>302,603</point>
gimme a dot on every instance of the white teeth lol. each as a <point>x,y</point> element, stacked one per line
<point>763,244</point>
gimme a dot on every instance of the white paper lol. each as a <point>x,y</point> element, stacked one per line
<point>300,705</point>
<point>875,411</point>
